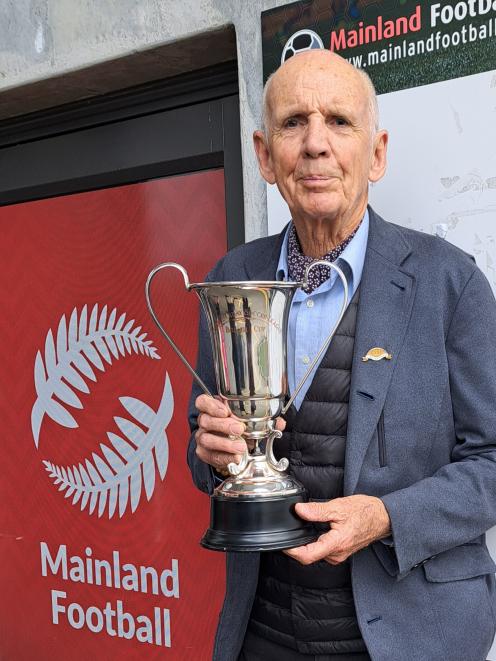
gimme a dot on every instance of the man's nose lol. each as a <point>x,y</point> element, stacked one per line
<point>316,141</point>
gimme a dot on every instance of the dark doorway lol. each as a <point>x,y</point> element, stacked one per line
<point>181,125</point>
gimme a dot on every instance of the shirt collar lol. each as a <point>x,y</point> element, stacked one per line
<point>353,255</point>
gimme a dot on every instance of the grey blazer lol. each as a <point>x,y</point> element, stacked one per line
<point>429,593</point>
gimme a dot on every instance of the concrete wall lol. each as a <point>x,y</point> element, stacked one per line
<point>56,51</point>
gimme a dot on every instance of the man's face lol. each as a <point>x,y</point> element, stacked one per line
<point>320,148</point>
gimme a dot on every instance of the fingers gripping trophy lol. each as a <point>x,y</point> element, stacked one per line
<point>254,508</point>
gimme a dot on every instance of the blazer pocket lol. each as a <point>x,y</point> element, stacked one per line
<point>381,440</point>
<point>459,563</point>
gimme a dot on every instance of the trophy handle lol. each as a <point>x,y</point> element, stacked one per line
<point>323,348</point>
<point>161,328</point>
<point>233,468</point>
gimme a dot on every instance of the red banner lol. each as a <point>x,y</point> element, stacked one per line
<point>100,522</point>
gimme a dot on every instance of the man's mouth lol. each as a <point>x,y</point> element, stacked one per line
<point>316,181</point>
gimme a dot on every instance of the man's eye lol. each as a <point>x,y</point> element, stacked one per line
<point>291,123</point>
<point>340,121</point>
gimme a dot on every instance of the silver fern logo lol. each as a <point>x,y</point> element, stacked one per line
<point>128,463</point>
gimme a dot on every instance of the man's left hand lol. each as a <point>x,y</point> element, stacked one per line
<point>355,521</point>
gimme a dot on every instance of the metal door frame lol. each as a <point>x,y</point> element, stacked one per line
<point>180,125</point>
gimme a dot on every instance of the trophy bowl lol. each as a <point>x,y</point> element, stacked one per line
<point>254,508</point>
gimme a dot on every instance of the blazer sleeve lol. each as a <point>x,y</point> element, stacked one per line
<point>457,503</point>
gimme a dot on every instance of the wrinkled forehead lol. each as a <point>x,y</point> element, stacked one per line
<point>320,87</point>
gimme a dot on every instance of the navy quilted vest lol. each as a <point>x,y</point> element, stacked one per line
<point>311,608</point>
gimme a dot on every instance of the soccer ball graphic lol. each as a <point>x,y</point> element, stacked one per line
<point>301,41</point>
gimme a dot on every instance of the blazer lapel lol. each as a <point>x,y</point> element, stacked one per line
<point>264,265</point>
<point>386,298</point>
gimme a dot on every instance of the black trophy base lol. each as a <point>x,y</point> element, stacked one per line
<point>247,524</point>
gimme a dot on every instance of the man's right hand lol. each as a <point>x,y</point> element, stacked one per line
<point>215,437</point>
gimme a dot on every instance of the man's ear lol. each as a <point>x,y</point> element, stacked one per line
<point>264,157</point>
<point>379,156</point>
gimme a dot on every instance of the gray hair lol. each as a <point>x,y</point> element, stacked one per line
<point>369,85</point>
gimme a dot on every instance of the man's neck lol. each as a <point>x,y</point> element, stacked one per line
<point>319,237</point>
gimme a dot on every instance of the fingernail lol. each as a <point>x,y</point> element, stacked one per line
<point>237,428</point>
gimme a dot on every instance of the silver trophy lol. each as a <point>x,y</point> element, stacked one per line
<point>253,509</point>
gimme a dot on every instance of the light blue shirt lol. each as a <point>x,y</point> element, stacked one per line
<point>312,316</point>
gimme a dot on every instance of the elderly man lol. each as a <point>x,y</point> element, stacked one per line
<point>399,454</point>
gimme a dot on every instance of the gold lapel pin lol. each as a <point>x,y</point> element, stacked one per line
<point>377,353</point>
